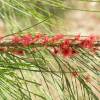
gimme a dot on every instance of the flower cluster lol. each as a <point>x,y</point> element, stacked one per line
<point>27,39</point>
<point>88,42</point>
<point>67,46</point>
<point>58,44</point>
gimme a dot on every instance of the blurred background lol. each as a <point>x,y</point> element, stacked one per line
<point>63,16</point>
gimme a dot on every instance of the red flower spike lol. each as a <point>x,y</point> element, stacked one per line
<point>26,39</point>
<point>75,74</point>
<point>16,39</point>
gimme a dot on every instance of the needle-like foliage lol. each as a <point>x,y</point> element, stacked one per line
<point>39,74</point>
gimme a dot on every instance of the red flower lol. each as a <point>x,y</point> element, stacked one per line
<point>16,39</point>
<point>65,48</point>
<point>26,39</point>
<point>56,38</point>
<point>67,52</point>
<point>36,37</point>
<point>65,44</point>
<point>75,74</point>
<point>88,43</point>
<point>45,40</point>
